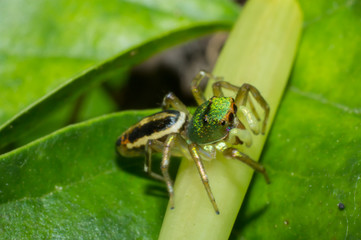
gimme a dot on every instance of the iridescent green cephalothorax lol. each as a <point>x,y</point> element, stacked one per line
<point>212,120</point>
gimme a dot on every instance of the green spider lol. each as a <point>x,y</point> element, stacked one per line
<point>213,127</point>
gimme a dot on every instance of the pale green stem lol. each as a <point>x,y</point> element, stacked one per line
<point>260,51</point>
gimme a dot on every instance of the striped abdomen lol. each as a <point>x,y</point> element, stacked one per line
<point>152,127</point>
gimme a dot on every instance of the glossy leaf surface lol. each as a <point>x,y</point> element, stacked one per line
<point>73,183</point>
<point>51,52</point>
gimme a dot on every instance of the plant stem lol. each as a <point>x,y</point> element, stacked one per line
<point>260,51</point>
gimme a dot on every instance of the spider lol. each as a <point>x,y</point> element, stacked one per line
<point>214,126</point>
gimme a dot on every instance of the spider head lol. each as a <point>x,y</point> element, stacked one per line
<point>213,120</point>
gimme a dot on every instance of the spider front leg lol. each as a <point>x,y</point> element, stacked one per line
<point>234,153</point>
<point>242,96</point>
<point>202,172</point>
<point>197,92</point>
<point>238,135</point>
<point>217,88</point>
<point>251,119</point>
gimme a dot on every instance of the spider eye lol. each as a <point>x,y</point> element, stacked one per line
<point>223,123</point>
<point>230,117</point>
<point>205,119</point>
<point>234,108</point>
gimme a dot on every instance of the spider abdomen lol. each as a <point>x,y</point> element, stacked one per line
<point>152,127</point>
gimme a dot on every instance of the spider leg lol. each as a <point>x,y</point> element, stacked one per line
<point>217,88</point>
<point>242,97</point>
<point>197,92</point>
<point>171,100</point>
<point>148,160</point>
<point>234,153</point>
<point>200,167</point>
<point>238,135</point>
<point>168,144</point>
<point>250,118</point>
<point>253,109</point>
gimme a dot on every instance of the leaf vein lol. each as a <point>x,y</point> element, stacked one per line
<point>335,8</point>
<point>321,99</point>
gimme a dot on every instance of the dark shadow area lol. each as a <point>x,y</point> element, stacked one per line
<point>157,191</point>
<point>146,87</point>
<point>135,166</point>
<point>243,218</point>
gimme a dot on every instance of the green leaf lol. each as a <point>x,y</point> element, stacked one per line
<point>313,152</point>
<point>73,183</point>
<point>51,52</point>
